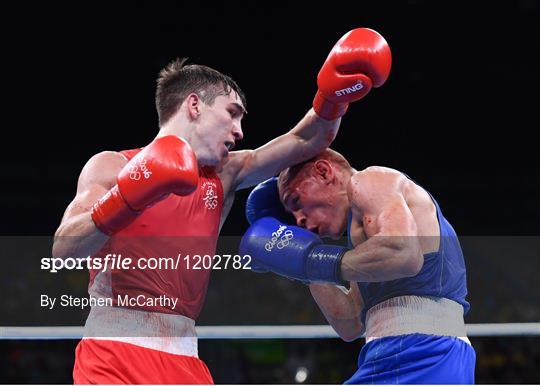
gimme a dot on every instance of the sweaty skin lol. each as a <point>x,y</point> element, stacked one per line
<point>212,130</point>
<point>389,212</point>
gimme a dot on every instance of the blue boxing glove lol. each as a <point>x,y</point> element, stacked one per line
<point>292,252</point>
<point>264,201</point>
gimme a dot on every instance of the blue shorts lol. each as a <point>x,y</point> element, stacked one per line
<point>416,359</point>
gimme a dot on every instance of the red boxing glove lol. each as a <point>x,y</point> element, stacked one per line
<point>361,59</point>
<point>167,165</point>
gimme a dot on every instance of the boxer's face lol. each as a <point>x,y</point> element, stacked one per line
<point>220,128</point>
<point>317,207</point>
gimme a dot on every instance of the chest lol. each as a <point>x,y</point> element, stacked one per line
<point>197,214</point>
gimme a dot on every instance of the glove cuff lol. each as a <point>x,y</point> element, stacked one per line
<point>111,213</point>
<point>324,264</point>
<point>328,110</point>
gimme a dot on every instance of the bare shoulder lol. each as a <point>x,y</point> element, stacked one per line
<point>376,186</point>
<point>378,180</point>
<point>380,172</point>
<point>229,172</point>
<point>236,160</point>
<point>107,157</point>
<point>101,169</point>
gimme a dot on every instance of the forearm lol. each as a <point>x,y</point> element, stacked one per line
<point>341,310</point>
<point>382,258</point>
<point>308,138</point>
<point>78,236</point>
<point>314,134</point>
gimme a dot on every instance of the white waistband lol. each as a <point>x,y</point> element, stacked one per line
<point>404,315</point>
<point>174,334</point>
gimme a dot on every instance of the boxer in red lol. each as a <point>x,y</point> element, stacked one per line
<point>182,185</point>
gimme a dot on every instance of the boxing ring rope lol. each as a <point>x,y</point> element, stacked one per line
<point>263,332</point>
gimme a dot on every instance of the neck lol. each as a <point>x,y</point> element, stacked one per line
<point>344,177</point>
<point>179,126</point>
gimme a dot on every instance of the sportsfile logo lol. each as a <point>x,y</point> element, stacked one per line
<point>280,238</point>
<point>139,169</point>
<point>349,90</point>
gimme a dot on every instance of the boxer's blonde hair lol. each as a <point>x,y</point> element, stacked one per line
<point>304,169</point>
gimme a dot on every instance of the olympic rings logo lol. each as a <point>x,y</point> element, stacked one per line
<point>211,204</point>
<point>279,238</point>
<point>210,200</point>
<point>134,172</point>
<point>284,241</point>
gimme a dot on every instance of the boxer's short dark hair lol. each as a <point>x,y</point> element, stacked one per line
<point>177,80</point>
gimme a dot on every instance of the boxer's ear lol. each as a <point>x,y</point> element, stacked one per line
<point>193,106</point>
<point>324,171</point>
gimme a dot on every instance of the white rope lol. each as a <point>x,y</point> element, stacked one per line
<point>503,329</point>
<point>265,332</point>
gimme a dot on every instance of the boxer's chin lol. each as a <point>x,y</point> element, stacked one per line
<point>211,160</point>
<point>333,233</point>
<point>326,232</point>
<point>224,155</point>
<point>334,236</point>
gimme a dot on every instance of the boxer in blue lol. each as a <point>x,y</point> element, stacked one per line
<point>401,279</point>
